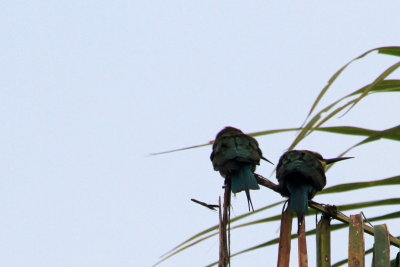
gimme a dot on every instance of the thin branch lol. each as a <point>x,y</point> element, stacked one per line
<point>325,209</point>
<point>331,210</point>
<point>267,183</point>
<point>210,206</point>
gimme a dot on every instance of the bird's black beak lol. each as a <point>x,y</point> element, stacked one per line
<point>330,161</point>
<point>267,160</point>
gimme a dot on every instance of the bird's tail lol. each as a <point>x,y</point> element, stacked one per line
<point>244,179</point>
<point>298,201</point>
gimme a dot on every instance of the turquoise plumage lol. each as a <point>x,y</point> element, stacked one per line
<point>243,179</point>
<point>298,201</point>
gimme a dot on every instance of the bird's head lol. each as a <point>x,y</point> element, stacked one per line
<point>228,131</point>
<point>324,162</point>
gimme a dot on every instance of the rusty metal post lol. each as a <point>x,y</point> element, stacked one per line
<point>356,241</point>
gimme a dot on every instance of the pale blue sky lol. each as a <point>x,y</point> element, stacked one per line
<point>89,88</point>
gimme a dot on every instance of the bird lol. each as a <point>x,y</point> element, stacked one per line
<point>235,155</point>
<point>301,174</point>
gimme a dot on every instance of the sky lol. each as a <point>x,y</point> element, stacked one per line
<point>89,89</point>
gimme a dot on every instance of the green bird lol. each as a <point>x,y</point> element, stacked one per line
<point>301,174</point>
<point>235,155</point>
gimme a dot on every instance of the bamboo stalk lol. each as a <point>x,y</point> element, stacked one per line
<point>302,245</point>
<point>224,257</point>
<point>285,239</point>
